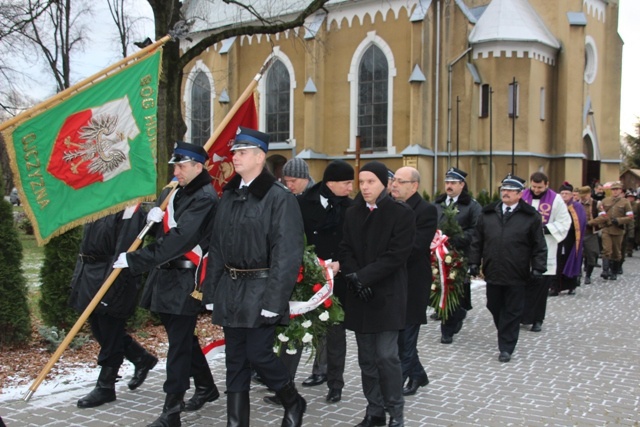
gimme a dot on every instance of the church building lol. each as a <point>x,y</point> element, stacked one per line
<point>489,86</point>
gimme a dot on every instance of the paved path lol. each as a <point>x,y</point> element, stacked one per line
<point>583,369</point>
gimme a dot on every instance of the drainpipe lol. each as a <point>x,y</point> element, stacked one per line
<point>437,106</point>
<point>450,71</point>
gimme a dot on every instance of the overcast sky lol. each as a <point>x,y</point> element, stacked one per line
<point>93,60</point>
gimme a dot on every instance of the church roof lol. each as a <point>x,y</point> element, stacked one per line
<point>511,20</point>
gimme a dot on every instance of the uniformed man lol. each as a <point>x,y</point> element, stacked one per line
<point>255,255</point>
<point>457,196</point>
<point>630,228</point>
<point>590,242</point>
<point>172,260</point>
<point>615,212</point>
<point>102,241</point>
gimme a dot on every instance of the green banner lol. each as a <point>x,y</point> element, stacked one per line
<point>91,154</point>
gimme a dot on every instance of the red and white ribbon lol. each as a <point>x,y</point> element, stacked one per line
<point>439,249</point>
<point>297,308</point>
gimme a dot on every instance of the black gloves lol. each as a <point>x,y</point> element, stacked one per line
<point>537,273</point>
<point>365,293</point>
<point>546,230</point>
<point>614,221</point>
<point>474,270</point>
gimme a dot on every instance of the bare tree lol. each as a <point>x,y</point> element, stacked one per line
<point>125,23</point>
<point>167,13</point>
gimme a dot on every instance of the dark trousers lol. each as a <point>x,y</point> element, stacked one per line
<point>291,361</point>
<point>185,355</point>
<point>408,350</point>
<point>506,304</point>
<point>110,333</point>
<point>253,347</point>
<point>381,373</point>
<point>448,327</point>
<point>336,349</point>
<point>535,300</point>
<point>320,359</point>
<point>591,249</point>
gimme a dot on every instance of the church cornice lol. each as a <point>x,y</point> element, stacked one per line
<point>596,8</point>
<point>515,49</point>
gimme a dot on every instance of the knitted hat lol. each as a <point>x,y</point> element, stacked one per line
<point>583,191</point>
<point>338,170</point>
<point>565,187</point>
<point>296,168</point>
<point>378,169</point>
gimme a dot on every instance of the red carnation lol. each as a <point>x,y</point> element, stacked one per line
<point>300,275</point>
<point>317,287</point>
<point>327,303</point>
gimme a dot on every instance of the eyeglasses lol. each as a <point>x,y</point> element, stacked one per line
<point>399,181</point>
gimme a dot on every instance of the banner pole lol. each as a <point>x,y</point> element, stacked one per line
<point>82,84</point>
<point>234,109</point>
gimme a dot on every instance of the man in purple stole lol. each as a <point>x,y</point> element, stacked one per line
<point>570,249</point>
<point>555,224</point>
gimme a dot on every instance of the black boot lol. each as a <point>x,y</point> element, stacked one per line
<point>587,274</point>
<point>613,270</point>
<point>105,390</point>
<point>619,267</point>
<point>206,391</point>
<point>238,409</point>
<point>143,362</point>
<point>606,272</point>
<point>294,405</point>
<point>170,417</point>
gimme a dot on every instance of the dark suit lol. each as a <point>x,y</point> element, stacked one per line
<point>419,286</point>
<point>375,246</point>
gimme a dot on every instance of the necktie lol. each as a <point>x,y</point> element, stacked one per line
<point>371,208</point>
<point>449,201</point>
<point>507,211</point>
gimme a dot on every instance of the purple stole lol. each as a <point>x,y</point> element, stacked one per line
<point>546,203</point>
<point>579,218</point>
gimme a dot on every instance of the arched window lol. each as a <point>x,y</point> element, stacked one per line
<point>373,99</point>
<point>200,109</point>
<point>278,97</point>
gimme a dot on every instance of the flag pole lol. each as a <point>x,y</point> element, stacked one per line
<point>243,97</point>
<point>116,271</point>
<point>82,84</point>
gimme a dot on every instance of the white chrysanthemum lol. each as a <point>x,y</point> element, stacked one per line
<point>291,351</point>
<point>275,350</point>
<point>435,271</point>
<point>283,338</point>
<point>324,316</point>
<point>434,287</point>
<point>448,259</point>
<point>306,324</point>
<point>307,338</point>
<point>452,275</point>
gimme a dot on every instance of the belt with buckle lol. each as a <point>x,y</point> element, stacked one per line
<point>253,273</point>
<point>177,264</point>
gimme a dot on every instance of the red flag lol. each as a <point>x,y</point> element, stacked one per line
<point>219,165</point>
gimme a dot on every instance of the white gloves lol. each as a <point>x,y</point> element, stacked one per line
<point>267,313</point>
<point>155,215</point>
<point>121,262</point>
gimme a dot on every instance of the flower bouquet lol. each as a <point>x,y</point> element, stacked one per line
<point>313,307</point>
<point>448,267</point>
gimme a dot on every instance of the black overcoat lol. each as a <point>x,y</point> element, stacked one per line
<point>325,237</point>
<point>509,250</point>
<point>256,227</point>
<point>375,246</point>
<point>102,241</point>
<point>419,262</point>
<point>169,290</point>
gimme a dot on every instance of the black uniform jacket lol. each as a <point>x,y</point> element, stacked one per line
<point>375,246</point>
<point>255,228</point>
<point>509,250</point>
<point>102,241</point>
<point>168,290</point>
